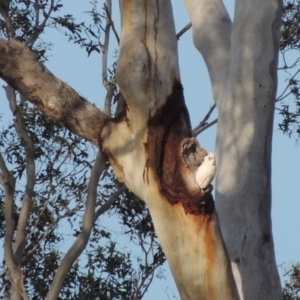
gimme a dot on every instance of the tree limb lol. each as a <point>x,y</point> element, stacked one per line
<point>204,127</point>
<point>204,121</point>
<point>4,8</point>
<point>109,202</point>
<point>30,172</point>
<point>108,85</point>
<point>40,239</point>
<point>183,30</point>
<point>39,28</point>
<point>20,68</point>
<point>87,226</point>
<point>8,182</point>
<point>108,15</point>
<point>21,292</point>
<point>27,143</point>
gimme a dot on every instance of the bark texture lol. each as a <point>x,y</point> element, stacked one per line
<point>244,92</point>
<point>150,143</point>
<point>152,151</point>
<point>20,68</point>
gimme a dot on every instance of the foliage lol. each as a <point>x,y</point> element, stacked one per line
<point>290,47</point>
<point>63,161</point>
<point>291,288</point>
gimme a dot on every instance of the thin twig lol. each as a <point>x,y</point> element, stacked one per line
<point>197,132</point>
<point>108,15</point>
<point>293,65</point>
<point>281,97</point>
<point>285,65</point>
<point>47,232</point>
<point>204,121</point>
<point>150,270</point>
<point>183,30</point>
<point>40,28</point>
<point>105,207</point>
<point>37,221</point>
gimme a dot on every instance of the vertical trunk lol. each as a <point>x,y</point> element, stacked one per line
<point>242,63</point>
<point>151,149</point>
<point>244,141</point>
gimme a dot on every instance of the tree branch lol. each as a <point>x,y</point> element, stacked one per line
<point>4,8</point>
<point>283,94</point>
<point>20,68</point>
<point>20,290</point>
<point>20,242</point>
<point>108,15</point>
<point>183,30</point>
<point>87,226</point>
<point>39,240</point>
<point>201,129</point>
<point>37,220</point>
<point>204,121</point>
<point>8,182</point>
<point>106,206</point>
<point>147,276</point>
<point>39,28</point>
<point>108,85</point>
<point>30,172</point>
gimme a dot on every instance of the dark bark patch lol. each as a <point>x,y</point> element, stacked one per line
<point>171,149</point>
<point>237,260</point>
<point>267,237</point>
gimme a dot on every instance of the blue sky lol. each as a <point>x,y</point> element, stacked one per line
<point>71,64</point>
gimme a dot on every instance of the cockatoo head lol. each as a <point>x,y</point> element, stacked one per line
<point>210,159</point>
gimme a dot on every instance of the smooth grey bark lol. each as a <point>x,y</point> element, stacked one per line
<point>15,272</point>
<point>244,91</point>
<point>243,192</point>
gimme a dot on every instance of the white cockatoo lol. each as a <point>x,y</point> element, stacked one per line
<point>206,171</point>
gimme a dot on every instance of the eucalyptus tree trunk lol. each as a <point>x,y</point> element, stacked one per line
<point>242,61</point>
<point>151,147</point>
